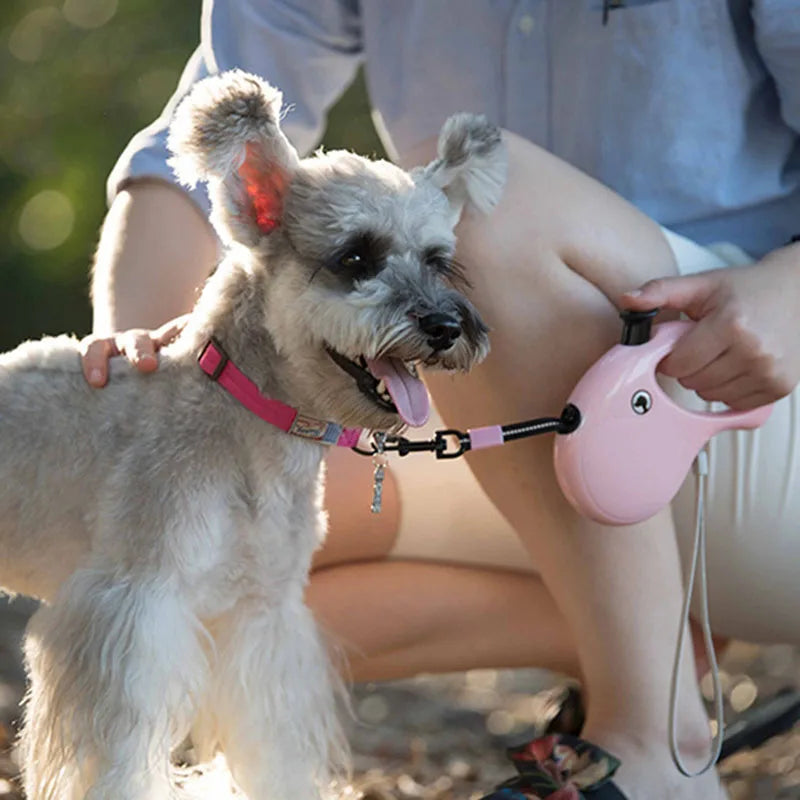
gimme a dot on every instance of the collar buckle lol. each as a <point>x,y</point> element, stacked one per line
<point>204,357</point>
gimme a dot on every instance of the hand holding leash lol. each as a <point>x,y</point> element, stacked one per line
<point>744,349</point>
<point>635,444</point>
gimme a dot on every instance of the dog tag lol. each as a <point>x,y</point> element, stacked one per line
<point>380,462</point>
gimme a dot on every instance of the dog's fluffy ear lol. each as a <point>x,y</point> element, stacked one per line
<point>472,163</point>
<point>226,131</point>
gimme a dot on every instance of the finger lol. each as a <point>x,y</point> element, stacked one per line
<point>734,392</point>
<point>689,294</point>
<point>169,331</point>
<point>699,347</point>
<point>139,348</point>
<point>718,372</point>
<point>94,359</point>
<point>750,401</point>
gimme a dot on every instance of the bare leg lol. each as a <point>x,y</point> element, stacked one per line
<point>546,268</point>
<point>396,619</point>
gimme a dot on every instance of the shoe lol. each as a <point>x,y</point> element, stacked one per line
<point>560,767</point>
<point>562,710</point>
<point>564,713</point>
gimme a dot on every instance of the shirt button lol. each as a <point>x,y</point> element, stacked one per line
<point>526,24</point>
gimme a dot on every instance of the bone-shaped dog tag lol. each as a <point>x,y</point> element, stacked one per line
<point>380,462</point>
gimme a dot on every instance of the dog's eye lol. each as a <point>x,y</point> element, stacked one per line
<point>361,257</point>
<point>351,260</point>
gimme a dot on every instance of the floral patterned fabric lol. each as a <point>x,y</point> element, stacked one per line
<point>560,767</point>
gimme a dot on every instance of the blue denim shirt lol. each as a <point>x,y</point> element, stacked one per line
<point>688,108</point>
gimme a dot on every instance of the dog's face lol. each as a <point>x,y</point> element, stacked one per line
<point>358,255</point>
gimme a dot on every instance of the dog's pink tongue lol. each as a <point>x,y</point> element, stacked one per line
<point>408,393</point>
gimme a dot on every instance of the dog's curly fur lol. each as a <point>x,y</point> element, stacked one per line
<point>168,529</point>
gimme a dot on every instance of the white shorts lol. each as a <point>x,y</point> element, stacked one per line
<point>754,504</point>
<point>752,518</point>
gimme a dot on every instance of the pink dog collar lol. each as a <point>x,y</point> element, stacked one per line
<point>214,361</point>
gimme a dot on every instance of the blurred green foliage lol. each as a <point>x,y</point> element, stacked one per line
<point>77,79</point>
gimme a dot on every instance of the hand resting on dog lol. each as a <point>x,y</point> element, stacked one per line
<point>139,346</point>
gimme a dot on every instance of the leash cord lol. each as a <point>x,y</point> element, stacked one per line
<point>568,422</point>
<point>698,559</point>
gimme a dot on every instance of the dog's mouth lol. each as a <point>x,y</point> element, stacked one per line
<point>391,383</point>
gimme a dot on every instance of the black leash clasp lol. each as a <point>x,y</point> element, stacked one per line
<point>452,436</point>
<point>446,444</point>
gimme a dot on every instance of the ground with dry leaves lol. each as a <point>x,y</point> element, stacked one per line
<point>442,738</point>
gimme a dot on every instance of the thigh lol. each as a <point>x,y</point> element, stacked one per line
<point>547,267</point>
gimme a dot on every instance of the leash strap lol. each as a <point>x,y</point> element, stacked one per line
<point>214,361</point>
<point>698,560</point>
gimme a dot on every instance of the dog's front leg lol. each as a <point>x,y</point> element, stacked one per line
<point>273,702</point>
<point>115,666</point>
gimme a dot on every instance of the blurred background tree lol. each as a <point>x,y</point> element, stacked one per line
<point>79,78</point>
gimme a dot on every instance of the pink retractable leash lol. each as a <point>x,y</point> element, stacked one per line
<point>629,456</point>
<point>635,444</point>
<point>623,450</point>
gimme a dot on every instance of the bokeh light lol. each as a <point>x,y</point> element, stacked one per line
<point>29,36</point>
<point>743,695</point>
<point>89,13</point>
<point>373,709</point>
<point>500,722</point>
<point>47,220</point>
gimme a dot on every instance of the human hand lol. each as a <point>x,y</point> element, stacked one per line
<point>138,345</point>
<point>745,349</point>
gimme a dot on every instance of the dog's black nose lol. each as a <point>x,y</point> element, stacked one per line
<point>442,330</point>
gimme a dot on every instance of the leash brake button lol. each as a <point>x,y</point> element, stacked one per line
<point>636,326</point>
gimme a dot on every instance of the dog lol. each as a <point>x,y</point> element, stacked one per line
<point>167,526</point>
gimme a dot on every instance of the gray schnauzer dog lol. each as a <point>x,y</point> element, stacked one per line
<point>168,528</point>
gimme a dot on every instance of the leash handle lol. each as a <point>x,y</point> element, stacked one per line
<point>698,561</point>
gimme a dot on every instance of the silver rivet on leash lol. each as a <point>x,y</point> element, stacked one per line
<point>380,461</point>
